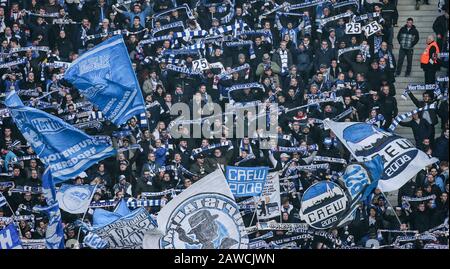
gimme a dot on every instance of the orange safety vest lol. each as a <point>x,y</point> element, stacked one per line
<point>424,59</point>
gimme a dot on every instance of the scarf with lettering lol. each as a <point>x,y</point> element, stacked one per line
<point>406,115</point>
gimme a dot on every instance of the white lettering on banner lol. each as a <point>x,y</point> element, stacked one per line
<point>47,125</point>
<point>326,211</point>
<point>127,233</point>
<point>6,240</point>
<point>397,164</point>
<point>93,63</point>
<point>396,147</point>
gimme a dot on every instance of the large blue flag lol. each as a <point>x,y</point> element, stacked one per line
<point>9,238</point>
<point>67,150</point>
<point>54,235</point>
<point>106,77</point>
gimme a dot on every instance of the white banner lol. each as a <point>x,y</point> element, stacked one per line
<point>402,160</point>
<point>353,28</point>
<point>268,203</point>
<point>204,216</point>
<point>372,28</point>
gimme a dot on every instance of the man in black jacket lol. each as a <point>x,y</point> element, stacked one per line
<point>407,37</point>
<point>440,27</point>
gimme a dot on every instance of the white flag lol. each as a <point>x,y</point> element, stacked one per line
<point>402,160</point>
<point>75,199</point>
<point>204,216</point>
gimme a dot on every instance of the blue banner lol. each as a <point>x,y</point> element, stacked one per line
<point>67,150</point>
<point>246,181</point>
<point>9,238</point>
<point>106,77</point>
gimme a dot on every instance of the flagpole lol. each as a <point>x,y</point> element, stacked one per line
<point>84,214</point>
<point>395,214</point>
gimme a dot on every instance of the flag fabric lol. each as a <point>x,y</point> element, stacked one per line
<point>75,199</point>
<point>269,202</point>
<point>204,216</point>
<point>402,160</point>
<point>106,77</point>
<point>9,238</point>
<point>126,232</point>
<point>67,150</point>
<point>54,235</point>
<point>3,201</point>
<point>120,229</point>
<point>360,179</point>
<point>246,181</point>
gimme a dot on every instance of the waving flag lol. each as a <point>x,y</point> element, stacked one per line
<point>9,238</point>
<point>402,160</point>
<point>360,179</point>
<point>204,216</point>
<point>106,77</point>
<point>67,150</point>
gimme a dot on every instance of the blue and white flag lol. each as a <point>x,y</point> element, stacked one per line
<point>402,160</point>
<point>204,216</point>
<point>75,199</point>
<point>360,180</point>
<point>67,150</point>
<point>246,181</point>
<point>54,235</point>
<point>9,238</point>
<point>106,77</point>
<point>126,232</point>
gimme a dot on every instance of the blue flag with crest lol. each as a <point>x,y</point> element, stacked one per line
<point>67,150</point>
<point>106,77</point>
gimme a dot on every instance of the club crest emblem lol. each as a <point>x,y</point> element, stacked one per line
<point>206,221</point>
<point>323,204</point>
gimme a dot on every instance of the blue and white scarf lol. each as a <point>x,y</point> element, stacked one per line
<point>404,116</point>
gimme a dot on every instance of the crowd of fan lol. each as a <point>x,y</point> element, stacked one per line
<point>296,60</point>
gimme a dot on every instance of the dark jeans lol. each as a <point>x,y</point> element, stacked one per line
<point>401,57</point>
<point>430,75</point>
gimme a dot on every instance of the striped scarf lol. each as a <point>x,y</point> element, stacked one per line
<point>329,159</point>
<point>404,116</point>
<point>305,5</point>
<point>230,28</point>
<point>243,43</point>
<point>13,63</point>
<point>227,74</point>
<point>334,18</point>
<point>183,70</point>
<point>311,167</point>
<point>113,33</point>
<point>301,149</point>
<point>198,151</point>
